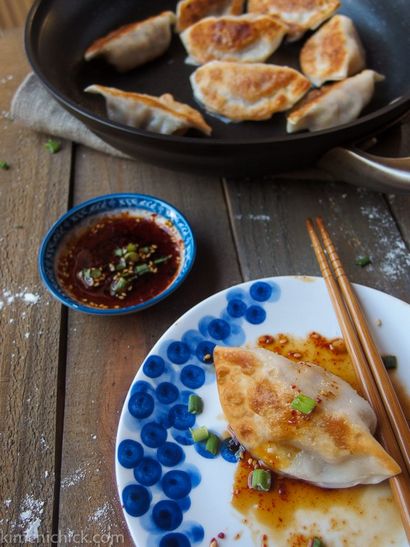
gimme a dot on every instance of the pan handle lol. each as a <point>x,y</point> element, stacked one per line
<point>363,169</point>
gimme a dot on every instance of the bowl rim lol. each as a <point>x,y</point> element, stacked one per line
<point>394,106</point>
<point>77,306</point>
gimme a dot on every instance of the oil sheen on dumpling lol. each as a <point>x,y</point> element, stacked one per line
<point>248,38</point>
<point>334,52</point>
<point>332,446</point>
<point>299,15</point>
<point>191,11</point>
<point>334,104</point>
<point>157,114</point>
<point>135,44</point>
<point>247,91</point>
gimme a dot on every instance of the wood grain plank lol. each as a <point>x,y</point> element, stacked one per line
<point>105,353</point>
<point>269,227</point>
<point>13,13</point>
<point>34,193</point>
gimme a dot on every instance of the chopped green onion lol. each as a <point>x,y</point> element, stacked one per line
<point>315,542</point>
<point>303,403</point>
<point>85,276</point>
<point>121,264</point>
<point>53,146</point>
<point>146,250</point>
<point>261,480</point>
<point>141,269</point>
<point>4,165</point>
<point>118,285</point>
<point>132,256</point>
<point>363,261</point>
<point>212,444</point>
<point>162,259</point>
<point>118,252</point>
<point>199,434</point>
<point>131,248</point>
<point>95,273</point>
<point>195,404</point>
<point>390,361</point>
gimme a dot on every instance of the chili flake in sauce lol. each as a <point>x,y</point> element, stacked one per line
<point>119,261</point>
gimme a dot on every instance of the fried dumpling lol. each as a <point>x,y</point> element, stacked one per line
<point>334,104</point>
<point>334,52</point>
<point>299,15</point>
<point>332,446</point>
<point>191,11</point>
<point>248,38</point>
<point>157,114</point>
<point>135,44</point>
<point>250,91</point>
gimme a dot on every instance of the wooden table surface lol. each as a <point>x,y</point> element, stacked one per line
<point>64,375</point>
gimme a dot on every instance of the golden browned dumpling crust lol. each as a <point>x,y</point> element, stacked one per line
<point>331,446</point>
<point>299,15</point>
<point>252,91</point>
<point>244,38</point>
<point>158,114</point>
<point>334,104</point>
<point>334,52</point>
<point>191,11</point>
<point>134,44</point>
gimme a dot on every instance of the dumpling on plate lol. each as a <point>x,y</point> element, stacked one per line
<point>135,44</point>
<point>334,52</point>
<point>248,38</point>
<point>247,91</point>
<point>330,445</point>
<point>334,104</point>
<point>191,11</point>
<point>161,114</point>
<point>299,15</point>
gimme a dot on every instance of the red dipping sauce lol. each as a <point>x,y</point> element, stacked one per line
<point>119,260</point>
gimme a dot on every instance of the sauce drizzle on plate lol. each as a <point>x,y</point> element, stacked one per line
<point>279,512</point>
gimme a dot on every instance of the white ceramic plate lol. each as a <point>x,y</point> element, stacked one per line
<point>174,496</point>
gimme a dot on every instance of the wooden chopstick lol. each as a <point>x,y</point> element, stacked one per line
<point>400,484</point>
<point>380,374</point>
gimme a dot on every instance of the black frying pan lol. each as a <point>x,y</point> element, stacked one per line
<point>59,31</point>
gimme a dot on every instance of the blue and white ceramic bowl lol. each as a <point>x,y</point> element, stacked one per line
<point>100,206</point>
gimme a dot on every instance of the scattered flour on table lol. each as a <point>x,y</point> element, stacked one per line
<point>6,78</point>
<point>102,517</point>
<point>23,295</point>
<point>74,478</point>
<point>257,218</point>
<point>396,260</point>
<point>43,443</point>
<point>30,517</point>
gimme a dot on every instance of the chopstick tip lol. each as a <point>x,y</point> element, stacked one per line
<point>309,223</point>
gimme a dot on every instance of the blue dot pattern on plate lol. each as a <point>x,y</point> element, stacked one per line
<point>158,405</point>
<point>129,453</point>
<point>174,540</point>
<point>148,471</point>
<point>167,393</point>
<point>176,484</point>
